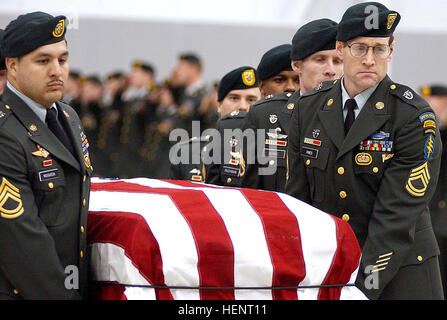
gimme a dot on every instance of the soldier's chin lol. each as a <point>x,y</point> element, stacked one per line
<point>54,96</point>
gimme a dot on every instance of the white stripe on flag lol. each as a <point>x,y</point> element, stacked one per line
<point>253,266</point>
<point>174,237</point>
<point>110,263</point>
<point>318,241</point>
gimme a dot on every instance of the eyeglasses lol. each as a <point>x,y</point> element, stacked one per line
<point>381,51</point>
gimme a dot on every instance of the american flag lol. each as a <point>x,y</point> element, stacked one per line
<point>170,239</point>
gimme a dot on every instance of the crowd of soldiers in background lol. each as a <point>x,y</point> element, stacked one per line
<point>127,117</point>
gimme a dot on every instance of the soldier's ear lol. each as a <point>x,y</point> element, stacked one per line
<point>296,66</point>
<point>11,66</point>
<point>339,46</point>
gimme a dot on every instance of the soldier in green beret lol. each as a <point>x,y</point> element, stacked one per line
<point>44,167</point>
<point>237,91</point>
<point>313,57</point>
<point>275,71</point>
<point>367,150</point>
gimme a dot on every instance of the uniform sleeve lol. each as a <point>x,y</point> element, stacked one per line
<point>251,179</point>
<point>406,188</point>
<point>296,185</point>
<point>28,255</point>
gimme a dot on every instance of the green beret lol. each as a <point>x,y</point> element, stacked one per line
<point>2,60</point>
<point>368,19</point>
<point>31,31</point>
<point>317,35</point>
<point>274,61</point>
<point>433,90</point>
<point>240,78</point>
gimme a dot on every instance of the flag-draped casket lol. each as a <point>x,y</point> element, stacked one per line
<point>169,239</point>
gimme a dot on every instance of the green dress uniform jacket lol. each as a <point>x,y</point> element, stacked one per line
<point>194,169</point>
<point>380,178</point>
<point>438,212</point>
<point>230,169</point>
<point>43,205</point>
<point>273,114</point>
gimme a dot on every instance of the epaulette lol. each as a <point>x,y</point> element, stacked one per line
<point>323,86</point>
<point>234,115</point>
<point>4,113</point>
<point>407,95</point>
<point>195,140</point>
<point>283,96</point>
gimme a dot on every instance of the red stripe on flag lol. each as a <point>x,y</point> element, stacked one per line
<point>130,231</point>
<point>283,240</point>
<point>344,263</point>
<point>209,231</point>
<point>214,246</point>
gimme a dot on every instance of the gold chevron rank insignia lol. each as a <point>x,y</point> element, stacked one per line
<point>10,200</point>
<point>418,180</point>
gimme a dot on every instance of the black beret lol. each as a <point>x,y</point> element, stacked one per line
<point>317,35</point>
<point>433,90</point>
<point>143,65</point>
<point>274,61</point>
<point>2,60</point>
<point>31,31</point>
<point>369,19</point>
<point>240,78</point>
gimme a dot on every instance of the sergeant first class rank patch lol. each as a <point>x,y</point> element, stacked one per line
<point>10,200</point>
<point>418,180</point>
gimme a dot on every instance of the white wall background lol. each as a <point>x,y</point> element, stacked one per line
<point>106,35</point>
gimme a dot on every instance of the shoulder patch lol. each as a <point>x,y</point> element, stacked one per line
<point>407,95</point>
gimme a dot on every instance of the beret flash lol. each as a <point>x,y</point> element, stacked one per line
<point>241,78</point>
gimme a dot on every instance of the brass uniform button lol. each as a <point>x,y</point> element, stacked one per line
<point>345,217</point>
<point>15,291</point>
<point>375,169</point>
<point>393,86</point>
<point>84,202</point>
<point>85,177</point>
<point>82,229</point>
<point>290,106</point>
<point>330,102</point>
<point>343,194</point>
<point>307,162</point>
<point>7,107</point>
<point>380,105</point>
<point>81,254</point>
<point>341,170</point>
<point>50,185</point>
<point>229,180</point>
<point>419,258</point>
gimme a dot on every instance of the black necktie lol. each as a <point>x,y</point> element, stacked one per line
<point>350,104</point>
<point>55,127</point>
